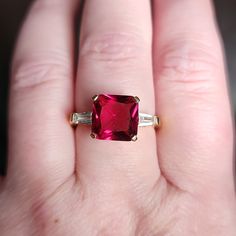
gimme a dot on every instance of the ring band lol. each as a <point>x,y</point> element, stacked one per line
<point>115,117</point>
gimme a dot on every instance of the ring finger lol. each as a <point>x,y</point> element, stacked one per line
<point>115,58</point>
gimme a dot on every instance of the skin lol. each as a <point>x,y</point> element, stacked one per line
<point>177,180</point>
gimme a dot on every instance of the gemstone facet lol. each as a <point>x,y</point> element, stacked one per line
<point>115,117</point>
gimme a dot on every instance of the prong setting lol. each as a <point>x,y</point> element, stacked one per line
<point>95,97</point>
<point>93,135</point>
<point>137,99</point>
<point>134,138</point>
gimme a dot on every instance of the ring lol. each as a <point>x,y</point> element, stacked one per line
<point>115,117</point>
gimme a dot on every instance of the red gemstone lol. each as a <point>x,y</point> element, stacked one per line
<point>115,117</point>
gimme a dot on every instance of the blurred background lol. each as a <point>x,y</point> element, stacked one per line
<point>13,11</point>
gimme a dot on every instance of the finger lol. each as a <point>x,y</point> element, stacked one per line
<point>115,58</point>
<point>41,142</point>
<point>195,143</point>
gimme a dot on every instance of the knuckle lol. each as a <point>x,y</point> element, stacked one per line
<point>114,49</point>
<point>191,64</point>
<point>37,70</point>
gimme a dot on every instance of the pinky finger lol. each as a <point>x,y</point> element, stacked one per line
<point>41,145</point>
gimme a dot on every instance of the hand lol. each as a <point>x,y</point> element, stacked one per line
<point>176,181</point>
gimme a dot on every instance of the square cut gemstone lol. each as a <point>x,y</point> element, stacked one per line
<point>115,117</point>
